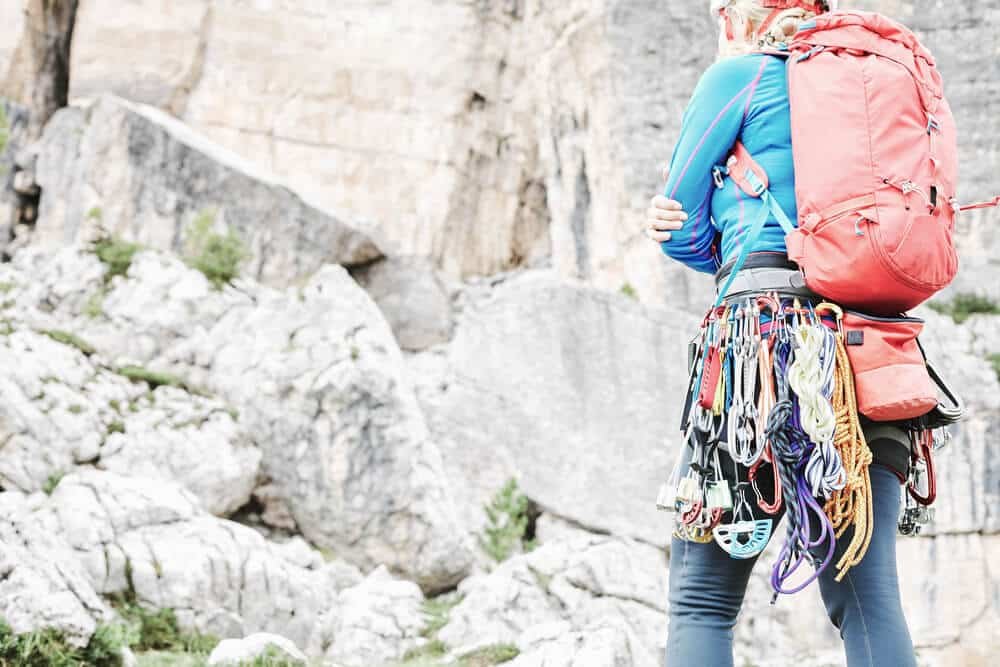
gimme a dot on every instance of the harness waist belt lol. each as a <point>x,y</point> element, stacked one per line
<point>765,279</point>
<point>757,260</point>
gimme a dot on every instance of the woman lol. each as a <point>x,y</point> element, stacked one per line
<point>703,223</point>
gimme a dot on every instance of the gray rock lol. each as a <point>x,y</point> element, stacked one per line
<point>155,540</point>
<point>134,171</point>
<point>239,651</point>
<point>371,623</point>
<point>600,596</point>
<point>574,391</point>
<point>60,409</point>
<point>412,297</point>
<point>42,583</point>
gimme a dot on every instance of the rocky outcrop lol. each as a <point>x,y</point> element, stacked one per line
<point>103,533</point>
<point>314,374</point>
<point>133,171</point>
<point>569,389</point>
<point>60,408</point>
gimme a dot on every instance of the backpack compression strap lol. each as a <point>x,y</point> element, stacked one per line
<point>752,179</point>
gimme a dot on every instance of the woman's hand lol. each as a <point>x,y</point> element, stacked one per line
<point>663,216</point>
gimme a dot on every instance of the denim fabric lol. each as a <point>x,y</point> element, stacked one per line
<point>707,589</point>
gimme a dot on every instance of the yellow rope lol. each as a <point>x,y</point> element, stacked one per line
<point>851,505</point>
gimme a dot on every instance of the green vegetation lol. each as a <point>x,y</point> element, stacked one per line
<point>629,291</point>
<point>426,653</point>
<point>995,362</point>
<point>50,485</point>
<point>218,256</point>
<point>116,254</point>
<point>71,339</point>
<point>436,611</point>
<point>49,648</point>
<point>507,523</point>
<point>489,655</point>
<point>6,287</point>
<point>116,427</point>
<point>153,378</point>
<point>94,307</point>
<point>965,305</point>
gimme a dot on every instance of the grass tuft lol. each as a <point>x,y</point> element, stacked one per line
<point>629,291</point>
<point>487,656</point>
<point>218,256</point>
<point>153,378</point>
<point>71,339</point>
<point>52,482</point>
<point>49,648</point>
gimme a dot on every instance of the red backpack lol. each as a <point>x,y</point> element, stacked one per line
<point>876,165</point>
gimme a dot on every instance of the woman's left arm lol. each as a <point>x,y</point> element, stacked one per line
<point>711,124</point>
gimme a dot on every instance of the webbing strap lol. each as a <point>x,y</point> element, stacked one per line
<point>983,204</point>
<point>770,205</point>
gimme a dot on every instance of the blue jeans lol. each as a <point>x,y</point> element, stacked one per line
<point>707,588</point>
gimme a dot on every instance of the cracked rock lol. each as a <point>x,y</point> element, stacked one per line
<point>586,597</point>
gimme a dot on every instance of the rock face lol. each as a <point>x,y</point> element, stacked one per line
<point>313,373</point>
<point>139,174</point>
<point>569,389</point>
<point>61,407</point>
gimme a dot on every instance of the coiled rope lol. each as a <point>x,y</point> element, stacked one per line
<point>851,505</point>
<point>790,447</point>
<point>811,376</point>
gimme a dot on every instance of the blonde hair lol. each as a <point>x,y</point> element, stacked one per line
<point>779,32</point>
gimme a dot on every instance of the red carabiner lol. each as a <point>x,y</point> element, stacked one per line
<point>923,443</point>
<point>774,507</point>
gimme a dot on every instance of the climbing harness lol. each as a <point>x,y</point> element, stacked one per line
<point>771,387</point>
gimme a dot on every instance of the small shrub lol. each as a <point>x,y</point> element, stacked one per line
<point>218,256</point>
<point>629,291</point>
<point>507,523</point>
<point>116,427</point>
<point>116,254</point>
<point>52,482</point>
<point>75,409</point>
<point>95,213</point>
<point>71,339</point>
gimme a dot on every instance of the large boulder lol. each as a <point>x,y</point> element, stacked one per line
<point>116,167</point>
<point>313,372</point>
<point>574,391</point>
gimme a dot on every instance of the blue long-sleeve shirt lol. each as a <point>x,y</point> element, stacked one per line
<point>745,98</point>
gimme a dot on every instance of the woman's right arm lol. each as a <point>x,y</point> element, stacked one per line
<point>711,124</point>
